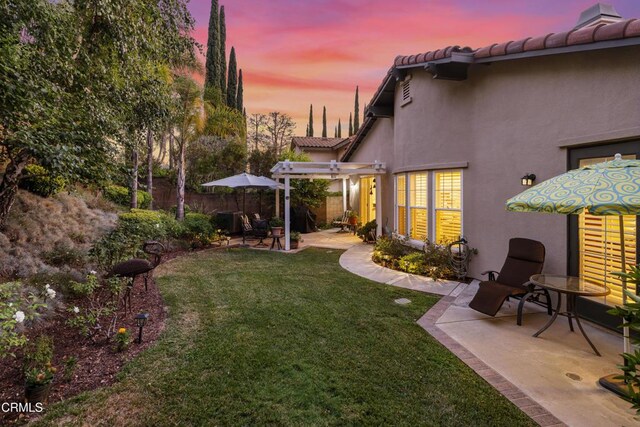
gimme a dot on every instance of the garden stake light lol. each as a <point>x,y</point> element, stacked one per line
<point>141,320</point>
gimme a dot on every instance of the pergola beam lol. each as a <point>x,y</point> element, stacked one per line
<point>288,170</point>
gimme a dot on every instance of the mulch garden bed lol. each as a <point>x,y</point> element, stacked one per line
<point>97,363</point>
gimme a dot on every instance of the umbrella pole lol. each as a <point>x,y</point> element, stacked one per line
<point>244,199</point>
<point>625,330</point>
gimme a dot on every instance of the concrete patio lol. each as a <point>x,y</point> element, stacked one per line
<point>552,378</point>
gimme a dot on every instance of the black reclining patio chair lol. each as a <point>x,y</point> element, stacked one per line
<point>525,258</point>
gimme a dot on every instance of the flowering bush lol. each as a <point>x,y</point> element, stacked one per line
<point>18,305</point>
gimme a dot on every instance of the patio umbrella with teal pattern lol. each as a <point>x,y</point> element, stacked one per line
<point>608,188</point>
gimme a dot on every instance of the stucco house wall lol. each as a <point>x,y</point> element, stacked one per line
<point>507,119</point>
<point>379,146</point>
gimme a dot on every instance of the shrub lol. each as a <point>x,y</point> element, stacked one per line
<point>414,263</point>
<point>197,224</point>
<point>365,230</point>
<point>392,247</point>
<point>173,209</point>
<point>63,254</point>
<point>38,180</point>
<point>132,230</point>
<point>122,196</point>
<point>38,353</point>
<point>17,305</point>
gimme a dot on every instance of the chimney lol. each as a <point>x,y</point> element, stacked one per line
<point>599,13</point>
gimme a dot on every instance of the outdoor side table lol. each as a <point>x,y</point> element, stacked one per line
<point>276,241</point>
<point>572,287</point>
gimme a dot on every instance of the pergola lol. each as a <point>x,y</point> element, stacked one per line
<point>288,170</point>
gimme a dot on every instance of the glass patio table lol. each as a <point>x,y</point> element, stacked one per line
<point>572,287</point>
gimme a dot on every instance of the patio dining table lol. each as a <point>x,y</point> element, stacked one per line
<point>572,287</point>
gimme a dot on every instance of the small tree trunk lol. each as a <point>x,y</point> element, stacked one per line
<point>171,151</point>
<point>134,178</point>
<point>9,185</point>
<point>180,184</point>
<point>150,166</point>
<point>163,149</point>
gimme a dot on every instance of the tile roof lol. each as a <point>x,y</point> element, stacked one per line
<point>603,32</point>
<point>595,33</point>
<point>318,142</point>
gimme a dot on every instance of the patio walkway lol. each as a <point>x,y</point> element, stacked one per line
<point>552,378</point>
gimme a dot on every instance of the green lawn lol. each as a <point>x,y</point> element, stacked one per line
<point>258,338</point>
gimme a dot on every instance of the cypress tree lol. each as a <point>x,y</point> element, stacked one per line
<point>324,122</point>
<point>335,132</point>
<point>240,95</point>
<point>356,115</point>
<point>232,83</point>
<point>311,120</point>
<point>339,129</point>
<point>212,77</point>
<point>307,134</point>
<point>350,125</point>
<point>223,53</point>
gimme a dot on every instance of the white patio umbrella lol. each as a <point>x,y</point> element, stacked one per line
<point>244,181</point>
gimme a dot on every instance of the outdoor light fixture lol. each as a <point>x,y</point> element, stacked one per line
<point>141,320</point>
<point>528,179</point>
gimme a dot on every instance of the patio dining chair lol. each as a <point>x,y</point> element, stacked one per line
<point>524,259</point>
<point>342,222</point>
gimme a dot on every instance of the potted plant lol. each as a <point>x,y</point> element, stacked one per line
<point>38,383</point>
<point>368,232</point>
<point>295,238</point>
<point>353,218</point>
<point>277,225</point>
<point>38,372</point>
<point>630,314</point>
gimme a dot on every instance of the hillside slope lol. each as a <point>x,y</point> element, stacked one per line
<point>51,235</point>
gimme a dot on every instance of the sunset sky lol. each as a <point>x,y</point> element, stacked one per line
<point>299,52</point>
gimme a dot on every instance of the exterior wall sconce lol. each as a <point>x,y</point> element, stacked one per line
<point>528,179</point>
<point>141,320</point>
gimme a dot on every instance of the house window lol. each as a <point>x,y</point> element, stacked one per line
<point>438,218</point>
<point>594,241</point>
<point>599,246</point>
<point>401,203</point>
<point>448,205</point>
<point>418,205</point>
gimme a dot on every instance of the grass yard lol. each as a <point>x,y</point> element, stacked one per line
<point>258,338</point>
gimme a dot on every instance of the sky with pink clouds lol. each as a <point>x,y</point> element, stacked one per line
<point>299,52</point>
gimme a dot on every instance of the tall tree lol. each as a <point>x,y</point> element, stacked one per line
<point>310,120</point>
<point>222,53</point>
<point>232,82</point>
<point>335,131</point>
<point>189,127</point>
<point>339,129</point>
<point>350,125</point>
<point>280,127</point>
<point>324,122</point>
<point>307,134</point>
<point>240,94</point>
<point>356,113</point>
<point>214,72</point>
<point>70,98</point>
<point>258,131</point>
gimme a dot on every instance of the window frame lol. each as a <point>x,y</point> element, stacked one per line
<point>590,309</point>
<point>431,210</point>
